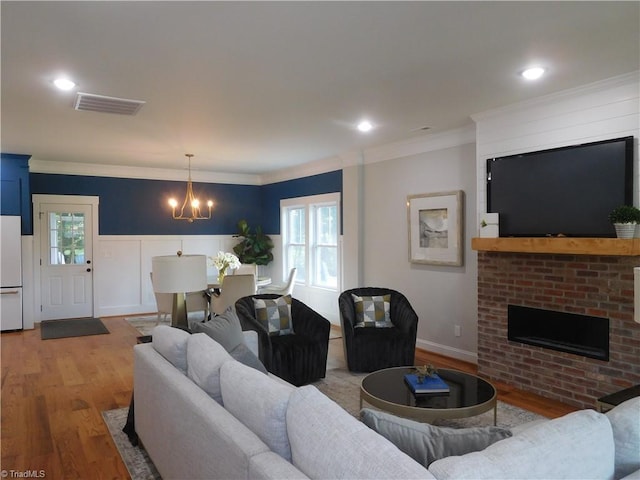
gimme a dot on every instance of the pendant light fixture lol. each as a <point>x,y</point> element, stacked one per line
<point>190,209</point>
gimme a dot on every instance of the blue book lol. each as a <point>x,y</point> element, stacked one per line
<point>432,384</point>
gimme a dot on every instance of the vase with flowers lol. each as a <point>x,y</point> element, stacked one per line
<point>223,261</point>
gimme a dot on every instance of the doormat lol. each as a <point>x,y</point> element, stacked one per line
<point>74,327</point>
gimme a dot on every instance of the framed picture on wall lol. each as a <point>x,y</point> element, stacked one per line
<point>436,222</point>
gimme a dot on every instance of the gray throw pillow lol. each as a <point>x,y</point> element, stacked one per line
<point>426,443</point>
<point>242,354</point>
<point>226,330</point>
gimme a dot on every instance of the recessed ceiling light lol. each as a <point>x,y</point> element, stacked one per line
<point>533,73</point>
<point>64,83</point>
<point>365,126</point>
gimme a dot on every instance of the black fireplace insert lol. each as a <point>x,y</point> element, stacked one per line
<point>565,332</point>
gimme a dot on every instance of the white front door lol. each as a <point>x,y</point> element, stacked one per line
<point>66,261</point>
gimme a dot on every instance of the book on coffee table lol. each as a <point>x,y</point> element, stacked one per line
<point>432,384</point>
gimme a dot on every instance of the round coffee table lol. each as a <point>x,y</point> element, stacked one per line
<point>469,395</point>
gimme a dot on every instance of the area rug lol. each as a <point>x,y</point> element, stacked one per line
<point>340,385</point>
<point>343,387</point>
<point>74,327</point>
<point>144,324</point>
<point>136,460</point>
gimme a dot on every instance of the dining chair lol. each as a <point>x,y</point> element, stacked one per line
<point>233,288</point>
<point>164,303</point>
<point>246,269</point>
<point>285,289</point>
<point>197,306</point>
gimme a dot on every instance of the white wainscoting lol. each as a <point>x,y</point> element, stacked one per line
<point>123,263</point>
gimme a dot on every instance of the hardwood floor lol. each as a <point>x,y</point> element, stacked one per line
<point>53,393</point>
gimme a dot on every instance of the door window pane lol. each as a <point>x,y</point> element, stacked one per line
<point>66,238</point>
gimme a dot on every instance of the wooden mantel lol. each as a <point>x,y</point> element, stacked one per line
<point>565,245</point>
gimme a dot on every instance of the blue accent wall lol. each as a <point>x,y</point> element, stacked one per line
<point>15,198</point>
<point>330,182</point>
<point>139,207</point>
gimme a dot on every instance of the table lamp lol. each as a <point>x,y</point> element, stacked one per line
<point>179,274</point>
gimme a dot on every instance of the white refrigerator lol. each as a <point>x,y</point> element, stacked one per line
<point>10,273</point>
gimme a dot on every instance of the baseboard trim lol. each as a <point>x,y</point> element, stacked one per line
<point>448,351</point>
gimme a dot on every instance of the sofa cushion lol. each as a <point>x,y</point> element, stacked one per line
<point>327,442</point>
<point>259,402</point>
<point>226,330</point>
<point>427,443</point>
<point>578,445</point>
<point>205,356</point>
<point>372,311</point>
<point>171,343</point>
<point>274,314</point>
<point>625,422</point>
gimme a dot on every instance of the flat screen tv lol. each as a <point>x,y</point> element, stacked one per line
<point>566,191</point>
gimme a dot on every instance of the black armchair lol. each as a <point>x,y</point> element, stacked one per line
<point>371,349</point>
<point>298,358</point>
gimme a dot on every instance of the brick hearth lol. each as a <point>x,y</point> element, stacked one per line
<point>594,285</point>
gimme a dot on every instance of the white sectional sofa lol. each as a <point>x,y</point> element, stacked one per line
<point>200,414</point>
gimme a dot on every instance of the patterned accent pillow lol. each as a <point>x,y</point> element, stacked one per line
<point>274,315</point>
<point>372,312</point>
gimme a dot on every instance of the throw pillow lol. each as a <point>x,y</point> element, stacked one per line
<point>426,443</point>
<point>372,311</point>
<point>226,330</point>
<point>243,355</point>
<point>274,315</point>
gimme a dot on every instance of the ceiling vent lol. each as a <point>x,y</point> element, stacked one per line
<point>99,103</point>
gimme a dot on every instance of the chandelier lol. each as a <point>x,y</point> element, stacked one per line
<point>191,204</point>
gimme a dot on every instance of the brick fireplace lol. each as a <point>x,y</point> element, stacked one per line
<point>594,285</point>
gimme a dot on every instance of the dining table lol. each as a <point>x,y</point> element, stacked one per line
<point>213,284</point>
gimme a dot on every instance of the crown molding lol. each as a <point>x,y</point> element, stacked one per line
<point>599,86</point>
<point>428,143</point>
<point>147,173</point>
<point>404,148</point>
<point>316,167</point>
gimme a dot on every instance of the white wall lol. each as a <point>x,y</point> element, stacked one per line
<point>443,296</point>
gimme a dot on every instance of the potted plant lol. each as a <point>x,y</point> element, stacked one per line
<point>625,219</point>
<point>255,247</point>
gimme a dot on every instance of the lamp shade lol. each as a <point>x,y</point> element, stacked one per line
<point>174,274</point>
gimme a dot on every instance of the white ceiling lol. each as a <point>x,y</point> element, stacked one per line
<point>258,87</point>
